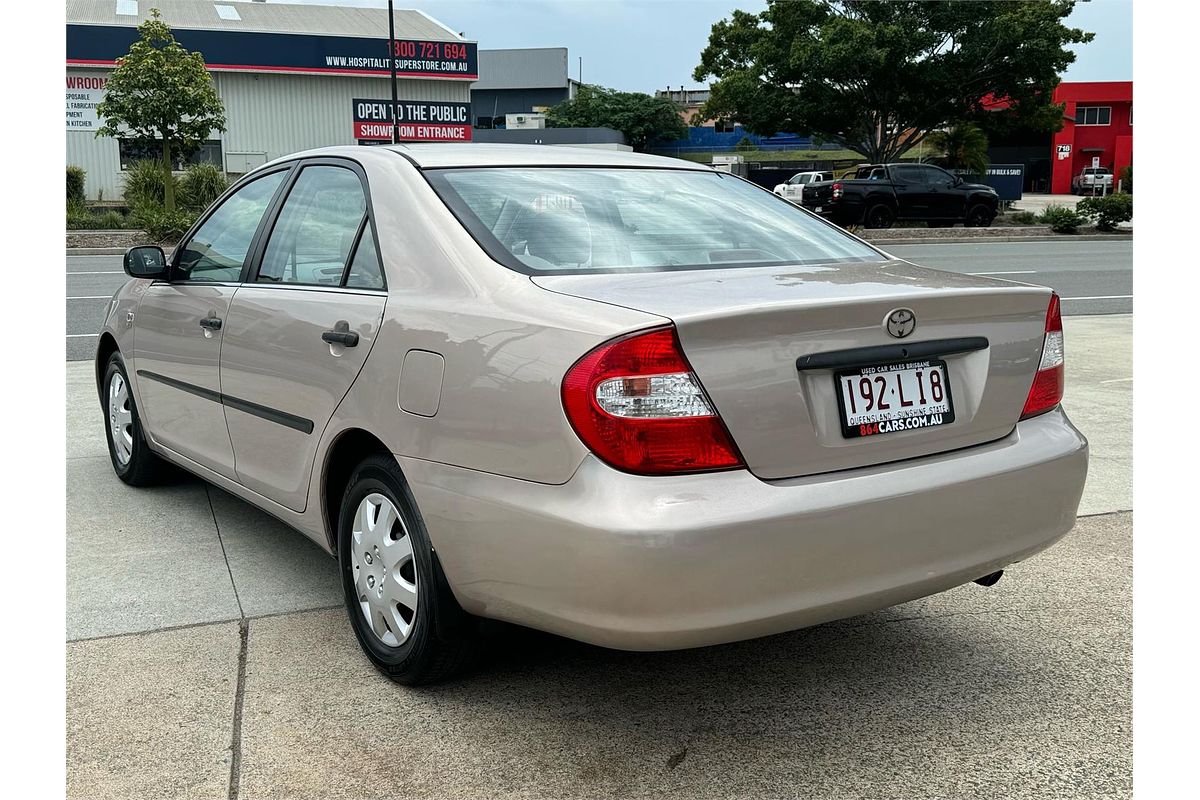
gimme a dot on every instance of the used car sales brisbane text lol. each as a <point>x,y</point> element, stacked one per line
<point>618,397</point>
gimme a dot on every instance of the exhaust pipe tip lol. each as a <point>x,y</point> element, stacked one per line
<point>990,580</point>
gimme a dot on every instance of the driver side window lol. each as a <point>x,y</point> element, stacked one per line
<point>218,249</point>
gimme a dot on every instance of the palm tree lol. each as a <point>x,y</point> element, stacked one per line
<point>964,147</point>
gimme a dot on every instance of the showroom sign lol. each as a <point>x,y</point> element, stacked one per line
<point>420,121</point>
<point>84,92</point>
<point>297,53</point>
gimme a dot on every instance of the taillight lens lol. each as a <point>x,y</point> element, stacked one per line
<point>837,191</point>
<point>1048,383</point>
<point>636,404</point>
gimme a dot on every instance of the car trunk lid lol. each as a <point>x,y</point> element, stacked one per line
<point>743,331</point>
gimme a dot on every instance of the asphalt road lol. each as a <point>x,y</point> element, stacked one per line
<point>1092,277</point>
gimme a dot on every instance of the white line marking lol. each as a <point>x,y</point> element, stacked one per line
<point>80,335</point>
<point>1118,380</point>
<point>97,272</point>
<point>1011,272</point>
<point>1102,297</point>
<point>92,297</point>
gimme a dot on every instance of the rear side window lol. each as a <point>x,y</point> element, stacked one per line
<point>218,249</point>
<point>316,228</point>
<point>566,220</point>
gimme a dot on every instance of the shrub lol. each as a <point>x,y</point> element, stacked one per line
<point>1107,210</point>
<point>1062,219</point>
<point>162,225</point>
<point>76,177</point>
<point>1024,218</point>
<point>80,217</point>
<point>1127,179</point>
<point>200,185</point>
<point>145,183</point>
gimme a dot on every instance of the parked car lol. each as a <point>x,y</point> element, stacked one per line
<point>622,398</point>
<point>1092,180</point>
<point>793,188</point>
<point>880,194</point>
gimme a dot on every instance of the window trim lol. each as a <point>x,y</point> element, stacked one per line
<point>259,248</point>
<point>186,239</point>
<point>1079,117</point>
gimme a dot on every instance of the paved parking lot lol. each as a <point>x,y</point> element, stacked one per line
<point>208,656</point>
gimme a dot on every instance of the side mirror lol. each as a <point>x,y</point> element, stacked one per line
<point>146,261</point>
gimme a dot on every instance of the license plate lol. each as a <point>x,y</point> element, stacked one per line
<point>819,209</point>
<point>889,398</point>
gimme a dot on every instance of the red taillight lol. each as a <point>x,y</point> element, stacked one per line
<point>837,191</point>
<point>636,404</point>
<point>1048,383</point>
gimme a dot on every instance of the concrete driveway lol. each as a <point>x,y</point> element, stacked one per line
<point>208,656</point>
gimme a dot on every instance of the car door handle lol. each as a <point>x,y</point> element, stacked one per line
<point>211,323</point>
<point>347,338</point>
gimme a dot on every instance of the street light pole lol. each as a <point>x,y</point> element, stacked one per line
<point>392,60</point>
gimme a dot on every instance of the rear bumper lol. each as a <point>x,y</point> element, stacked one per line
<point>643,563</point>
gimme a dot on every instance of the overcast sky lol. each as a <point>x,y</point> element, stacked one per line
<point>643,45</point>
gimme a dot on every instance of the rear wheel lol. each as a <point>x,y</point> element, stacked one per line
<point>879,215</point>
<point>131,457</point>
<point>980,216</point>
<point>401,608</point>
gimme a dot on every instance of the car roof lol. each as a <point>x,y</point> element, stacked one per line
<point>467,154</point>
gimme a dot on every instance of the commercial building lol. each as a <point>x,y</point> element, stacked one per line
<point>291,77</point>
<point>1097,124</point>
<point>521,81</point>
<point>1097,128</point>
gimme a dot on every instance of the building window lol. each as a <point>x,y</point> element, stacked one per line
<point>1093,115</point>
<point>139,150</point>
<point>486,123</point>
<point>724,126</point>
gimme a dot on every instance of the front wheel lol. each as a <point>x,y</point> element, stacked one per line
<point>980,216</point>
<point>131,457</point>
<point>402,610</point>
<point>879,216</point>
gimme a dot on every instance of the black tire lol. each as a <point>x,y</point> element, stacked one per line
<point>980,216</point>
<point>143,468</point>
<point>879,216</point>
<point>443,640</point>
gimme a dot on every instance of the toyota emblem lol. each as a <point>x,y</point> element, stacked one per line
<point>901,323</point>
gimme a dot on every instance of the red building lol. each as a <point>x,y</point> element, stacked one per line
<point>1098,123</point>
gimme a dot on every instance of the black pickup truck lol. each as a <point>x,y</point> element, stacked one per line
<point>880,194</point>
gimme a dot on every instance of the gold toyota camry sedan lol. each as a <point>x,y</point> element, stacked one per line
<point>625,399</point>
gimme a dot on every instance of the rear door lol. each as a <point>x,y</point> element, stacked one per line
<point>912,191</point>
<point>179,328</point>
<point>300,329</point>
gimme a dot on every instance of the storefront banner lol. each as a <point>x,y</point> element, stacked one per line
<point>419,120</point>
<point>299,53</point>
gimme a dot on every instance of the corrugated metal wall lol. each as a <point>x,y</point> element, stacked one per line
<point>271,115</point>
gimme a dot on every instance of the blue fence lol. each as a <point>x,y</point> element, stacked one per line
<point>707,139</point>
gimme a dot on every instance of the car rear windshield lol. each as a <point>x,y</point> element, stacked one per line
<point>572,220</point>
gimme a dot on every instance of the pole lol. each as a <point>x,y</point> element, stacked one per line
<point>581,70</point>
<point>392,60</point>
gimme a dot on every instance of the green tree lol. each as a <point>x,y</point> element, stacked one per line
<point>964,147</point>
<point>880,77</point>
<point>640,117</point>
<point>160,91</point>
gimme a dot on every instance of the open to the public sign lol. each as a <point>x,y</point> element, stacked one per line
<point>889,398</point>
<point>419,121</point>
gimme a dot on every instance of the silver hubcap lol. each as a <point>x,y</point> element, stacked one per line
<point>385,575</point>
<point>120,418</point>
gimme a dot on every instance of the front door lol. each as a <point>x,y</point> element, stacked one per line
<point>299,331</point>
<point>179,328</point>
<point>946,200</point>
